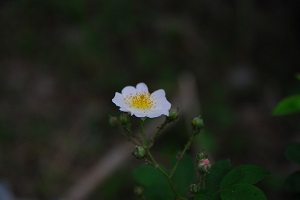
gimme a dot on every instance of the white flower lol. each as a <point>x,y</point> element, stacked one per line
<point>139,102</point>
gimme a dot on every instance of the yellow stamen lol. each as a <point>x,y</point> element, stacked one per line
<point>140,100</point>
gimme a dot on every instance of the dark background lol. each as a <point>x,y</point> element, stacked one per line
<point>62,61</point>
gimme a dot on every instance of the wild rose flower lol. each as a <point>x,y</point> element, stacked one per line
<point>139,102</point>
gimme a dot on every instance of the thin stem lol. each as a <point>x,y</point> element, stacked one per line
<point>187,145</point>
<point>132,134</point>
<point>156,165</point>
<point>143,134</point>
<point>159,129</point>
<point>201,181</point>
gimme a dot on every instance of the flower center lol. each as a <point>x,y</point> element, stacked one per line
<point>140,100</point>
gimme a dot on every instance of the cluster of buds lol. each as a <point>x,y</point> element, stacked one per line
<point>203,167</point>
<point>203,164</point>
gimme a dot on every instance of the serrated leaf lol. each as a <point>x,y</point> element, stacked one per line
<point>292,152</point>
<point>292,183</point>
<point>184,174</point>
<point>288,105</point>
<point>156,185</point>
<point>242,192</point>
<point>248,174</point>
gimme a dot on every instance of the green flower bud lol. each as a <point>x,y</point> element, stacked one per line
<point>194,188</point>
<point>113,121</point>
<point>139,152</point>
<point>204,166</point>
<point>138,190</point>
<point>197,123</point>
<point>124,119</point>
<point>173,114</point>
<point>201,156</point>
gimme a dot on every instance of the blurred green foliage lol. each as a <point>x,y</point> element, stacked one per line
<point>288,106</point>
<point>292,183</point>
<point>292,152</point>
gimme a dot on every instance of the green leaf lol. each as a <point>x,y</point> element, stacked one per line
<point>292,153</point>
<point>217,172</point>
<point>184,174</point>
<point>248,174</point>
<point>242,192</point>
<point>156,185</point>
<point>288,105</point>
<point>207,195</point>
<point>292,183</point>
<point>213,180</point>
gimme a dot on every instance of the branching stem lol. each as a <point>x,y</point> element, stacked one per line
<point>155,164</point>
<point>181,154</point>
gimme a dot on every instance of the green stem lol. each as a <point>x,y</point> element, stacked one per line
<point>143,133</point>
<point>201,181</point>
<point>187,145</point>
<point>132,135</point>
<point>159,129</point>
<point>156,165</point>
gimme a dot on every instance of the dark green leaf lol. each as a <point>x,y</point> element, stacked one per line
<point>249,174</point>
<point>207,195</point>
<point>288,105</point>
<point>293,152</point>
<point>217,172</point>
<point>292,183</point>
<point>242,192</point>
<point>156,185</point>
<point>184,174</point>
<point>213,180</point>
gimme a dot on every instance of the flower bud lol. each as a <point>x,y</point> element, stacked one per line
<point>201,156</point>
<point>113,121</point>
<point>139,152</point>
<point>123,118</point>
<point>204,166</point>
<point>173,114</point>
<point>138,190</point>
<point>194,188</point>
<point>197,123</point>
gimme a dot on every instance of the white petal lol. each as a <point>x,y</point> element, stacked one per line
<point>157,113</point>
<point>159,94</point>
<point>119,101</point>
<point>137,112</point>
<point>163,104</point>
<point>128,90</point>
<point>161,101</point>
<point>142,87</point>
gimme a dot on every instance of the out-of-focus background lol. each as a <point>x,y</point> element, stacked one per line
<point>62,61</point>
